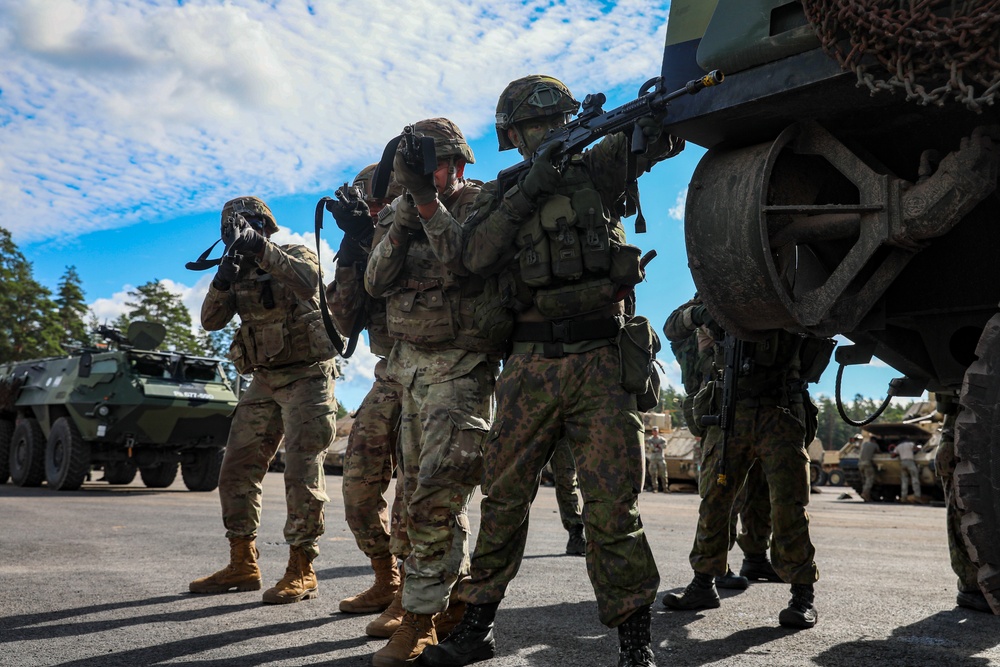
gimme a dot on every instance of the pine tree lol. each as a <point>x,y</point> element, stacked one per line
<point>29,324</point>
<point>152,302</point>
<point>72,307</point>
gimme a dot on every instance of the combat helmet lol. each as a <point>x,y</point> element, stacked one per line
<point>365,181</point>
<point>449,142</point>
<point>531,97</point>
<point>253,209</point>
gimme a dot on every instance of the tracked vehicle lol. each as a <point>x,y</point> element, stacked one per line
<point>124,407</point>
<point>853,155</point>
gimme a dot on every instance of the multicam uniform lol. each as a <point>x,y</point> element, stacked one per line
<point>447,369</point>
<point>562,378</point>
<point>281,340</point>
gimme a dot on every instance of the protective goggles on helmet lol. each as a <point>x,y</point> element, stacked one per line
<point>544,96</point>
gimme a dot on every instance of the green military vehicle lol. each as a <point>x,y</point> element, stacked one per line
<point>853,153</point>
<point>123,407</point>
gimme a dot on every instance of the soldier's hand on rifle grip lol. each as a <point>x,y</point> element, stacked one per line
<point>229,267</point>
<point>406,215</point>
<point>352,217</point>
<point>543,178</point>
<point>419,185</point>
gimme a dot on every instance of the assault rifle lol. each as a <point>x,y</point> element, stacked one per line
<point>593,123</point>
<point>733,368</point>
<point>418,152</point>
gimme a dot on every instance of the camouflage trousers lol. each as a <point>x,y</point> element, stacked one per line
<point>752,506</point>
<point>369,463</point>
<point>443,425</point>
<point>658,473</point>
<point>567,488</point>
<point>867,470</point>
<point>774,436</point>
<point>944,463</point>
<point>304,412</point>
<point>908,476</point>
<point>576,398</point>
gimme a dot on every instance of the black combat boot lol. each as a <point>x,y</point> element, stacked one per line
<point>732,581</point>
<point>470,641</point>
<point>699,594</point>
<point>577,545</point>
<point>973,600</point>
<point>756,567</point>
<point>633,641</point>
<point>800,612</point>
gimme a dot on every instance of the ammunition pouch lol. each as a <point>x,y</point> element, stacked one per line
<point>812,417</point>
<point>814,357</point>
<point>637,348</point>
<point>558,303</point>
<point>421,314</point>
<point>238,355</point>
<point>704,404</point>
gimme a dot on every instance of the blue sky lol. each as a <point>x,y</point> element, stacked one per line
<point>126,124</point>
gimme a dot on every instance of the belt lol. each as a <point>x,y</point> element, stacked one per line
<point>566,331</point>
<point>420,285</point>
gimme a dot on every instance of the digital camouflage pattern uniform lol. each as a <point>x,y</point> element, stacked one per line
<point>447,372</point>
<point>281,340</point>
<point>751,505</point>
<point>770,426</point>
<point>551,390</point>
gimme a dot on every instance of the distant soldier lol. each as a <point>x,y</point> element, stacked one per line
<point>656,460</point>
<point>969,594</point>
<point>281,340</point>
<point>909,475</point>
<point>558,246</point>
<point>443,319</point>
<point>866,464</point>
<point>370,459</point>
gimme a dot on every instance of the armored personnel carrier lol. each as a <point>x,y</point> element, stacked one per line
<point>887,466</point>
<point>124,407</point>
<point>852,154</point>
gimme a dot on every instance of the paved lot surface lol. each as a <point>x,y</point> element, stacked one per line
<point>99,578</point>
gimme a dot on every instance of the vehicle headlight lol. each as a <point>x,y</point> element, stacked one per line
<point>103,410</point>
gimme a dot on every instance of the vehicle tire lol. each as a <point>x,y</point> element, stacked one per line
<point>203,473</point>
<point>836,478</point>
<point>977,436</point>
<point>815,474</point>
<point>27,453</point>
<point>158,476</point>
<point>67,456</point>
<point>6,433</point>
<point>120,472</point>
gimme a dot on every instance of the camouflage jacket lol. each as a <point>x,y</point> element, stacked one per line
<point>348,301</point>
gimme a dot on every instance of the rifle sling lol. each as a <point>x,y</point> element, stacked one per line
<point>331,331</point>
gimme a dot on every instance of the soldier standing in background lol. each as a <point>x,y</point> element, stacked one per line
<point>441,318</point>
<point>774,419</point>
<point>282,341</point>
<point>656,460</point>
<point>908,471</point>
<point>866,466</point>
<point>370,459</point>
<point>969,594</point>
<point>694,345</point>
<point>557,244</point>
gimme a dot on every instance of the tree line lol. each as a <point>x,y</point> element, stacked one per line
<point>36,323</point>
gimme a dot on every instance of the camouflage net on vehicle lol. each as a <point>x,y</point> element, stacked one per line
<point>934,50</point>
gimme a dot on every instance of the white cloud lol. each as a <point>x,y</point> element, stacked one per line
<point>670,373</point>
<point>677,210</point>
<point>114,111</point>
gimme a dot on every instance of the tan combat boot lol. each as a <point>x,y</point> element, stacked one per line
<point>389,620</point>
<point>242,572</point>
<point>299,582</point>
<point>415,633</point>
<point>381,593</point>
<point>445,621</point>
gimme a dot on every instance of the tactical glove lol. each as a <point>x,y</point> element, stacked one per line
<point>241,236</point>
<point>700,315</point>
<point>420,186</point>
<point>351,252</point>
<point>651,127</point>
<point>353,217</point>
<point>406,215</point>
<point>543,178</point>
<point>229,267</point>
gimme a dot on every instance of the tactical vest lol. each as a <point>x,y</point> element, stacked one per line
<point>572,253</point>
<point>768,366</point>
<point>379,339</point>
<point>432,307</point>
<point>277,328</point>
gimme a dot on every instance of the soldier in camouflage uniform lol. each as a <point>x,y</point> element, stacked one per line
<point>656,460</point>
<point>693,342</point>
<point>282,341</point>
<point>370,458</point>
<point>568,497</point>
<point>557,244</point>
<point>441,318</point>
<point>771,426</point>
<point>969,594</point>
